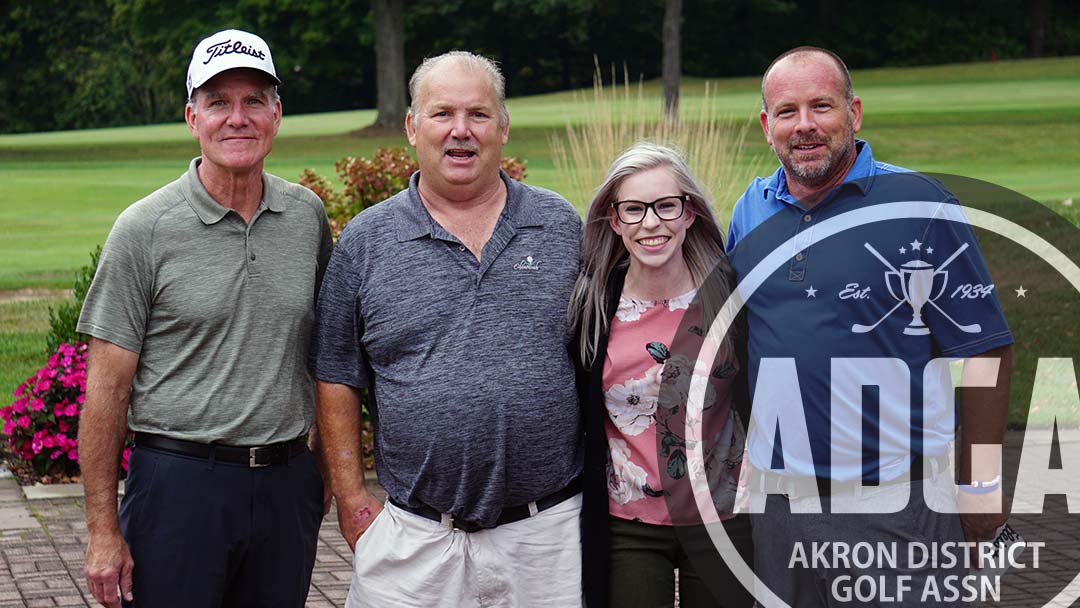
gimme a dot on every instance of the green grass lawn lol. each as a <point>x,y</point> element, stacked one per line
<point>1014,123</point>
<point>23,324</point>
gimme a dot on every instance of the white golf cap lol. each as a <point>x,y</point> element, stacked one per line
<point>226,50</point>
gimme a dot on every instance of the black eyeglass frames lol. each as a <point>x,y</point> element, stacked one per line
<point>667,208</point>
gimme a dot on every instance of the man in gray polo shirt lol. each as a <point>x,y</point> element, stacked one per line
<point>449,302</point>
<point>200,319</point>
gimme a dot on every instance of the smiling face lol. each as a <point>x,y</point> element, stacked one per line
<point>456,131</point>
<point>809,122</point>
<point>235,119</point>
<point>653,244</point>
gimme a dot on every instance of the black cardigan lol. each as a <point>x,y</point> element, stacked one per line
<point>595,533</point>
<point>595,536</point>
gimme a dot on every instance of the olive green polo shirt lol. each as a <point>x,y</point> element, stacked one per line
<point>219,310</point>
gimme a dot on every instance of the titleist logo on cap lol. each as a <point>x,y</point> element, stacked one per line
<point>231,49</point>
<point>228,47</point>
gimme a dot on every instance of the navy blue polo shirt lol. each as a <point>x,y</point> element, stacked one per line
<point>851,299</point>
<point>476,407</point>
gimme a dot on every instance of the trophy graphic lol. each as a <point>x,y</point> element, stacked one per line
<point>916,283</point>
<point>916,280</point>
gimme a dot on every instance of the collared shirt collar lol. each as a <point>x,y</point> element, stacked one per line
<point>413,220</point>
<point>861,175</point>
<point>209,210</point>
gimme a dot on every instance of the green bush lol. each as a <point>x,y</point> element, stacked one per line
<point>64,318</point>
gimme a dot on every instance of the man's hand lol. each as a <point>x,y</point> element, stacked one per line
<point>982,514</point>
<point>107,567</point>
<point>355,514</point>
<point>981,526</point>
<point>980,517</point>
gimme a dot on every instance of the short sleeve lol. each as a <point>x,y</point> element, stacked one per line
<point>962,309</point>
<point>736,227</point>
<point>336,349</point>
<point>117,304</point>
<point>326,247</point>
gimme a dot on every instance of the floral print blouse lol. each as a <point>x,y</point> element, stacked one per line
<point>646,427</point>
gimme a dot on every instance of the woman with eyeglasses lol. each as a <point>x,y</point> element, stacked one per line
<point>654,273</point>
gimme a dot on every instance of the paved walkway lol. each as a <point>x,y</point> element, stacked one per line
<point>42,544</point>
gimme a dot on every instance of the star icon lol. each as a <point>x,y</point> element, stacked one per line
<point>1021,293</point>
<point>916,245</point>
<point>811,293</point>
<point>929,250</point>
<point>903,250</point>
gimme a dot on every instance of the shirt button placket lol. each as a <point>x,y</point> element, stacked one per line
<point>804,233</point>
<point>250,249</point>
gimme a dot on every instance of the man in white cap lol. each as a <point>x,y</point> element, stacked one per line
<point>199,317</point>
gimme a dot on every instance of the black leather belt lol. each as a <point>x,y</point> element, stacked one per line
<point>508,516</point>
<point>253,457</point>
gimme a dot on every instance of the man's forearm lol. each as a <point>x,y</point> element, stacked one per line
<point>102,431</point>
<point>984,409</point>
<point>338,422</point>
<point>101,440</point>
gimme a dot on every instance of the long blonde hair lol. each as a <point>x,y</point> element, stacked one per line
<point>602,250</point>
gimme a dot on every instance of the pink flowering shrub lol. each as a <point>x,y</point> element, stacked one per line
<point>42,425</point>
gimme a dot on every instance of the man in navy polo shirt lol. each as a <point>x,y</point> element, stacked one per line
<point>861,279</point>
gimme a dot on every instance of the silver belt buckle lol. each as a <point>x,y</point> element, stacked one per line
<point>252,463</point>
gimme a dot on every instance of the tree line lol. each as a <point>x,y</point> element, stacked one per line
<point>99,63</point>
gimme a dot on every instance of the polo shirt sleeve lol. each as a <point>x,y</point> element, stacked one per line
<point>326,248</point>
<point>735,226</point>
<point>337,354</point>
<point>963,314</point>
<point>117,305</point>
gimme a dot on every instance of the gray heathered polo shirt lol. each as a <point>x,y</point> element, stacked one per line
<point>476,404</point>
<point>219,311</point>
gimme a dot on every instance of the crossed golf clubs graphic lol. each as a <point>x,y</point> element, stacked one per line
<point>916,279</point>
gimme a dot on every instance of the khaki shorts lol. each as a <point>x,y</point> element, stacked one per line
<point>409,561</point>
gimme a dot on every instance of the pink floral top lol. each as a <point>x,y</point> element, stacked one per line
<point>646,432</point>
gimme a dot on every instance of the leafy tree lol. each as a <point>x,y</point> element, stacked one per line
<point>111,62</point>
<point>45,46</point>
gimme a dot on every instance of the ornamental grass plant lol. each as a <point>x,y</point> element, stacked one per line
<point>619,115</point>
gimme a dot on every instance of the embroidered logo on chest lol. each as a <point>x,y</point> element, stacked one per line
<point>529,263</point>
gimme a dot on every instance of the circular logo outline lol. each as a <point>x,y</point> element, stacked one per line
<point>746,287</point>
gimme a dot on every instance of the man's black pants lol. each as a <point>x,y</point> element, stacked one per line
<point>206,533</point>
